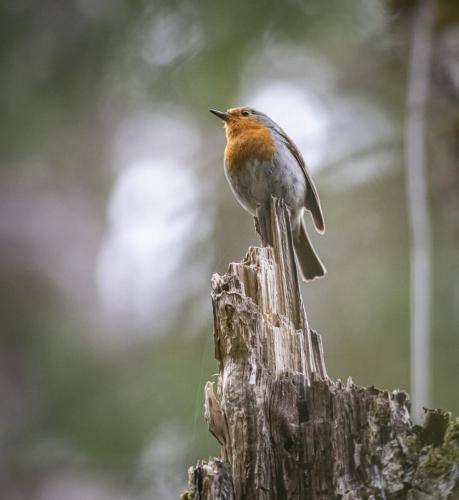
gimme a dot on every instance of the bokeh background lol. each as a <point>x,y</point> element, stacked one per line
<point>114,213</point>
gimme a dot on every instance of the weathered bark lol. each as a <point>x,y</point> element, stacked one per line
<point>289,432</point>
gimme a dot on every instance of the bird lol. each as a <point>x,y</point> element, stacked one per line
<point>260,161</point>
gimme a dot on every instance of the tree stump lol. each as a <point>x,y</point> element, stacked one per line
<point>286,430</point>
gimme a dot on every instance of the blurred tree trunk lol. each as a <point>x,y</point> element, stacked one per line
<point>418,206</point>
<point>286,430</point>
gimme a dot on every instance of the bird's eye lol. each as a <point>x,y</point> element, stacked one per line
<point>245,113</point>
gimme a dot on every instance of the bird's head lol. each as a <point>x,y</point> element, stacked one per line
<point>243,119</point>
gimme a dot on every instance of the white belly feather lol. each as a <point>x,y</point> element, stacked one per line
<point>256,181</point>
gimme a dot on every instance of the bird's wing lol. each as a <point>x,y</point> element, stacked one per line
<point>312,198</point>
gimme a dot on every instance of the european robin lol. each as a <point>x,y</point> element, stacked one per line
<point>262,161</point>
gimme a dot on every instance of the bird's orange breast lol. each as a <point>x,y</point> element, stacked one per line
<point>246,142</point>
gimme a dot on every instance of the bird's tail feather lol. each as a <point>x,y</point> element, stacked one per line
<point>308,262</point>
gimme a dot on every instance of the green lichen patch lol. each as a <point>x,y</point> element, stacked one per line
<point>437,472</point>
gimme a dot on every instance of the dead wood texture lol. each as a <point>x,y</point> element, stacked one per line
<point>286,430</point>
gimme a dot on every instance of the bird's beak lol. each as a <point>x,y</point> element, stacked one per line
<point>221,114</point>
